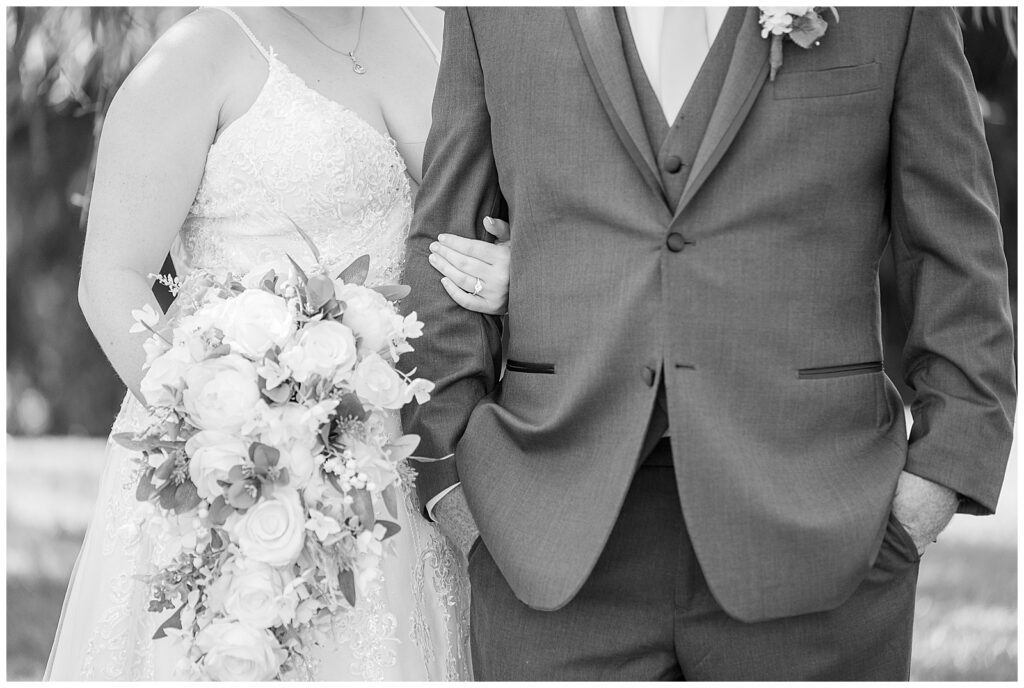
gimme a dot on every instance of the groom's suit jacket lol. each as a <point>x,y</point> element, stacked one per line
<point>753,299</point>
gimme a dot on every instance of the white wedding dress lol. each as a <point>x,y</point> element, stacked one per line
<point>299,155</point>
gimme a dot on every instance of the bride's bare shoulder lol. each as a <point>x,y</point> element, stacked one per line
<point>202,48</point>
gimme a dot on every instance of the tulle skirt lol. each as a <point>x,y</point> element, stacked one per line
<point>413,625</point>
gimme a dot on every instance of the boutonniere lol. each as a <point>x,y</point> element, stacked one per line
<point>804,26</point>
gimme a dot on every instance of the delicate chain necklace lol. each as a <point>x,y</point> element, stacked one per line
<point>357,66</point>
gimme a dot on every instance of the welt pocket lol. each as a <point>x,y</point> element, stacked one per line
<point>826,83</point>
<point>524,367</point>
<point>839,370</point>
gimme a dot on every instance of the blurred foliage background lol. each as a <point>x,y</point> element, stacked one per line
<point>63,67</point>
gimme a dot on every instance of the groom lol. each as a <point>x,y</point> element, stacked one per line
<point>693,465</point>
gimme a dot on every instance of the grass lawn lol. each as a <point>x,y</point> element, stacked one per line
<point>965,627</point>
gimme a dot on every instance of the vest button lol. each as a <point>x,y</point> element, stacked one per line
<point>649,376</point>
<point>672,164</point>
<point>675,242</point>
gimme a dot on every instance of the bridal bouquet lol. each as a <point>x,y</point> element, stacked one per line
<point>266,465</point>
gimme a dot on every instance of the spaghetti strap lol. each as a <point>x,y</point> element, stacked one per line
<point>246,29</point>
<point>423,34</point>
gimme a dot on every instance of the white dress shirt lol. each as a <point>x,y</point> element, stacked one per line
<point>649,26</point>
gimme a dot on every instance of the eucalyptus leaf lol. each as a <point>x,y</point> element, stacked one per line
<point>165,469</point>
<point>807,30</point>
<point>349,406</point>
<point>356,272</point>
<point>145,489</point>
<point>319,291</point>
<point>362,506</point>
<point>263,456</point>
<point>390,500</point>
<point>347,583</point>
<point>186,497</point>
<point>220,510</point>
<point>174,621</point>
<point>402,447</point>
<point>129,440</point>
<point>166,495</point>
<point>393,292</point>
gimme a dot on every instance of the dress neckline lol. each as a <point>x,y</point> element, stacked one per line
<point>273,60</point>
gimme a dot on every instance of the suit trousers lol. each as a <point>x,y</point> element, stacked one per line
<point>646,612</point>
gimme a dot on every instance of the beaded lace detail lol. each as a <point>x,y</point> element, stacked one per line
<point>295,156</point>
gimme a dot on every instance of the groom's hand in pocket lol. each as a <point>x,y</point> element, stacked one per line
<point>455,520</point>
<point>923,507</point>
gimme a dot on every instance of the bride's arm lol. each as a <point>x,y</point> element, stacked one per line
<point>150,162</point>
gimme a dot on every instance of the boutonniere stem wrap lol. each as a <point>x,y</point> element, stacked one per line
<point>804,25</point>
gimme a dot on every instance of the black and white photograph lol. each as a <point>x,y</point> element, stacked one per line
<point>511,343</point>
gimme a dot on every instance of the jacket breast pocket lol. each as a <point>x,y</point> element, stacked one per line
<point>826,83</point>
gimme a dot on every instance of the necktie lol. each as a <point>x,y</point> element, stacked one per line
<point>684,47</point>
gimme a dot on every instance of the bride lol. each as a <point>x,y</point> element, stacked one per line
<point>235,124</point>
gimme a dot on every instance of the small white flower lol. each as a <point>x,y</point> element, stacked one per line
<point>145,319</point>
<point>323,525</point>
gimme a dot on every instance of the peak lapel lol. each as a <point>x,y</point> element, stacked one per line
<point>748,70</point>
<point>601,47</point>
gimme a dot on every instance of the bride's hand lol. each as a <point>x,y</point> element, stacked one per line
<point>465,261</point>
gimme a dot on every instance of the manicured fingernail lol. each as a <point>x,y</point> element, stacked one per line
<point>488,222</point>
<point>432,258</point>
<point>443,238</point>
<point>434,246</point>
<point>445,281</point>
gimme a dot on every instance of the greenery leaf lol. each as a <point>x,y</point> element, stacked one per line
<point>393,292</point>
<point>319,291</point>
<point>186,497</point>
<point>362,506</point>
<point>356,272</point>
<point>146,488</point>
<point>402,447</point>
<point>347,583</point>
<point>390,499</point>
<point>263,456</point>
<point>220,510</point>
<point>302,275</point>
<point>165,469</point>
<point>349,406</point>
<point>174,621</point>
<point>166,495</point>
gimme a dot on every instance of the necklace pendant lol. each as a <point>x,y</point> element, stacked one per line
<point>357,66</point>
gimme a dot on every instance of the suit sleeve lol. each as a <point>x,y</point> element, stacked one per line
<point>950,268</point>
<point>460,350</point>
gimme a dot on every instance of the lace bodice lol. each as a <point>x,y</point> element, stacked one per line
<point>297,156</point>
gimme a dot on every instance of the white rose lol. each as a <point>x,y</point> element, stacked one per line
<point>212,455</point>
<point>166,371</point>
<point>326,348</point>
<point>377,383</point>
<point>255,321</point>
<point>221,393</point>
<point>370,316</point>
<point>236,652</point>
<point>293,430</point>
<point>273,531</point>
<point>257,594</point>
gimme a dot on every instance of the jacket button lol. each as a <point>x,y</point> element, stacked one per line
<point>672,164</point>
<point>649,375</point>
<point>675,242</point>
